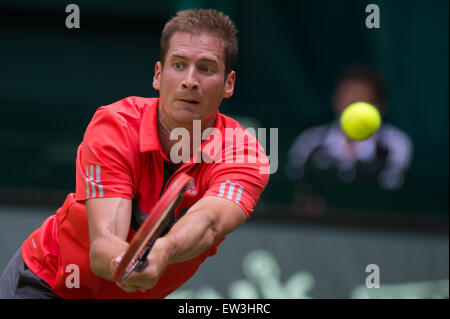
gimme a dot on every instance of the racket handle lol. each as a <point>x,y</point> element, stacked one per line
<point>140,263</point>
<point>141,266</point>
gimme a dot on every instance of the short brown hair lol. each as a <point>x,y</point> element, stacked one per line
<point>196,21</point>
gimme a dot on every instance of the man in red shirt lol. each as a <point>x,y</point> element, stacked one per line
<point>126,160</point>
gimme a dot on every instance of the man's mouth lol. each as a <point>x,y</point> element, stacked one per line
<point>190,101</point>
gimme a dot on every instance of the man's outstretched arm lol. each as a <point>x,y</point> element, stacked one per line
<point>209,220</point>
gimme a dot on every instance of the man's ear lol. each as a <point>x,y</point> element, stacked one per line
<point>229,85</point>
<point>157,76</point>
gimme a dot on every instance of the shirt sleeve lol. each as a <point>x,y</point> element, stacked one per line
<point>104,166</point>
<point>242,183</point>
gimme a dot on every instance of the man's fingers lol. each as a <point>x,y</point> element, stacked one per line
<point>115,263</point>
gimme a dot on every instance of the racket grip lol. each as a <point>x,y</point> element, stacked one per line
<point>141,265</point>
<point>143,257</point>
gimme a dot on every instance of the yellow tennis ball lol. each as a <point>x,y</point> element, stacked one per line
<point>360,120</point>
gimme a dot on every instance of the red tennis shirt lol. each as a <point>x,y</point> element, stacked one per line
<point>121,156</point>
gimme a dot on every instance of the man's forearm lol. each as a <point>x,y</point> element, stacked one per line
<point>103,251</point>
<point>190,236</point>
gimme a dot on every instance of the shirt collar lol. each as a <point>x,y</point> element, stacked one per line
<point>148,131</point>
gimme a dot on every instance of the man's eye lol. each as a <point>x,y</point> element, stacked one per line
<point>178,65</point>
<point>206,68</point>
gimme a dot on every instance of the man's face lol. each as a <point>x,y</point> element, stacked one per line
<point>192,83</point>
<point>350,91</point>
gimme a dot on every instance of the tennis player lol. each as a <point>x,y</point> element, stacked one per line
<point>123,165</point>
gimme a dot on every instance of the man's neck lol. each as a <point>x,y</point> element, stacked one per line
<point>165,127</point>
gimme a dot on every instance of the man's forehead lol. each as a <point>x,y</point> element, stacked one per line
<point>202,44</point>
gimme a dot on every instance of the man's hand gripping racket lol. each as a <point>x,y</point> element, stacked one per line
<point>155,225</point>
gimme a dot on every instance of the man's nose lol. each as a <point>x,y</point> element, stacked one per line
<point>190,80</point>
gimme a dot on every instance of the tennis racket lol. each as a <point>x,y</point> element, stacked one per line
<point>155,225</point>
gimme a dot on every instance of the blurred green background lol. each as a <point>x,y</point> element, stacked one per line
<point>52,79</point>
<point>291,53</point>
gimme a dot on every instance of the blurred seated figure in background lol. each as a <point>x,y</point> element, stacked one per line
<point>325,150</point>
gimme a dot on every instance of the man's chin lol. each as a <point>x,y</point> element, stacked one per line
<point>186,117</point>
